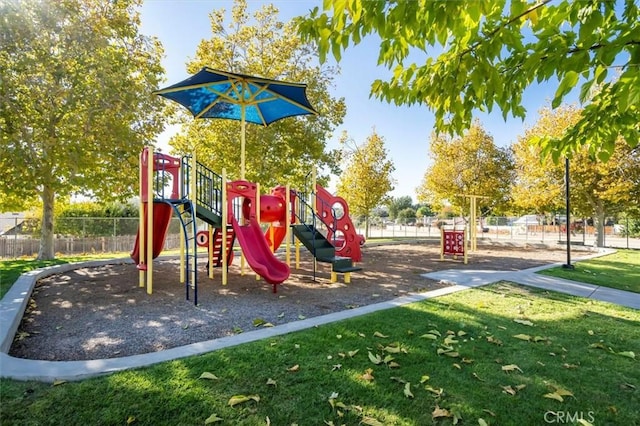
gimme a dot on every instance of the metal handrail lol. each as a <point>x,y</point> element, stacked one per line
<point>208,185</point>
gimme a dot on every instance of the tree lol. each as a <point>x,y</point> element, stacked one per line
<point>539,183</point>
<point>467,165</point>
<point>75,102</point>
<point>493,51</point>
<point>597,189</point>
<point>366,179</point>
<point>407,216</point>
<point>397,204</point>
<point>285,151</point>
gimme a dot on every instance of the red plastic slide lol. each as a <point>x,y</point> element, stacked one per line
<point>259,256</point>
<point>162,213</point>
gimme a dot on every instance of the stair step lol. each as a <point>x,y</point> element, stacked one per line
<point>346,269</point>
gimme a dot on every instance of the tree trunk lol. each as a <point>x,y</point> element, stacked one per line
<point>598,222</point>
<point>46,238</point>
<point>366,227</point>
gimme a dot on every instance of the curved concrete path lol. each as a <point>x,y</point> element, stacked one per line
<point>15,301</point>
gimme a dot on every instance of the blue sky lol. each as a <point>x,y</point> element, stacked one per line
<point>181,24</point>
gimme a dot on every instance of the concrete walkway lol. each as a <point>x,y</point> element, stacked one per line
<point>13,304</point>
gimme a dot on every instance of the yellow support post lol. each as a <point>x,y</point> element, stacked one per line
<point>334,277</point>
<point>210,251</point>
<point>141,231</point>
<point>225,220</point>
<point>150,197</point>
<point>466,247</point>
<point>347,277</point>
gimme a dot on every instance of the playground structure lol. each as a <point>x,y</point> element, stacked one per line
<point>233,211</point>
<point>453,243</point>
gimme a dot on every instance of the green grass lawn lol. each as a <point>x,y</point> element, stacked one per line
<point>619,270</point>
<point>501,354</point>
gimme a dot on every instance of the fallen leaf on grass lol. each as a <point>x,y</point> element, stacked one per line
<point>494,340</point>
<point>212,419</point>
<point>440,412</point>
<point>336,367</point>
<point>59,382</point>
<point>523,322</point>
<point>271,382</point>
<point>553,395</point>
<point>508,390</point>
<point>450,340</point>
<point>407,390</point>
<point>376,359</point>
<point>569,366</point>
<point>558,394</point>
<point>477,377</point>
<point>131,420</point>
<point>370,421</point>
<point>481,422</point>
<point>429,336</point>
<point>367,376</point>
<point>434,391</point>
<point>627,354</point>
<point>523,337</point>
<point>239,399</point>
<point>294,369</point>
<point>209,376</point>
<point>392,349</point>
<point>511,367</point>
<point>378,334</point>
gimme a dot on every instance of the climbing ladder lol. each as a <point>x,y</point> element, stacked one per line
<point>217,246</point>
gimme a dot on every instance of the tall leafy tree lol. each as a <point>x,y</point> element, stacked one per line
<point>397,204</point>
<point>484,54</point>
<point>597,189</point>
<point>76,78</point>
<point>539,183</point>
<point>467,165</point>
<point>367,177</point>
<point>284,152</point>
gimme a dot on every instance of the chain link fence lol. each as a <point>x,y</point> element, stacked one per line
<point>80,235</point>
<point>103,235</point>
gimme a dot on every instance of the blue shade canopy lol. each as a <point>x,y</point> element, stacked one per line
<point>218,94</point>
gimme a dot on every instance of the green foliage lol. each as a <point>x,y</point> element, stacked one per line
<point>70,221</point>
<point>465,166</point>
<point>75,104</point>
<point>492,52</point>
<point>598,189</point>
<point>407,215</point>
<point>397,204</point>
<point>366,179</point>
<point>284,152</point>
